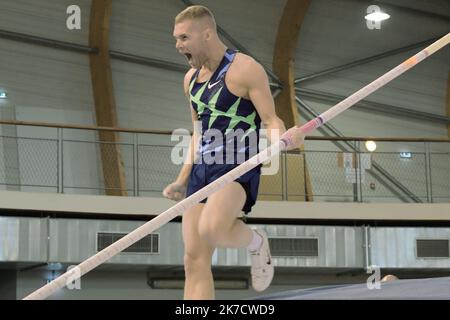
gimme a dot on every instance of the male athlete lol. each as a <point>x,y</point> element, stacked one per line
<point>227,91</point>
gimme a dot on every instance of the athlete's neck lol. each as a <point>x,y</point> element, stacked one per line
<point>216,54</point>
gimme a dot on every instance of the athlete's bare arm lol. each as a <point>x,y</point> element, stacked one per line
<point>248,79</point>
<point>256,83</point>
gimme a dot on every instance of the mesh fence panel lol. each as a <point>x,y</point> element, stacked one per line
<point>411,173</point>
<point>38,162</point>
<point>440,176</point>
<point>156,170</point>
<point>83,165</point>
<point>330,175</point>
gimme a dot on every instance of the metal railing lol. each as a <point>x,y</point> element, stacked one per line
<point>66,159</point>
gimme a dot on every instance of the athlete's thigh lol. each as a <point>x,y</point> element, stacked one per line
<point>226,204</point>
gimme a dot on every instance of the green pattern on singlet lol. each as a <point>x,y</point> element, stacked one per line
<point>231,113</point>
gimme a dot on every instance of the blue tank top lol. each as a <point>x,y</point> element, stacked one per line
<point>220,111</point>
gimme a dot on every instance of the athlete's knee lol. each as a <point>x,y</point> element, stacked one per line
<point>196,263</point>
<point>213,231</point>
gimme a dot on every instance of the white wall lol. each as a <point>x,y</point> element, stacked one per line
<point>144,28</point>
<point>48,85</point>
<point>45,18</point>
<point>335,33</point>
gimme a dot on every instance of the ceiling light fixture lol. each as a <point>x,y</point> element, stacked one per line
<point>377,16</point>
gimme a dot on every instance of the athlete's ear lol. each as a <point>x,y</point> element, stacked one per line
<point>208,34</point>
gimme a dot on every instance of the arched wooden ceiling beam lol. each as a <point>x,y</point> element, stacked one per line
<point>105,105</point>
<point>284,57</point>
<point>283,66</point>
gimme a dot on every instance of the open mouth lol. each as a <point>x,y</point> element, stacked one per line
<point>188,56</point>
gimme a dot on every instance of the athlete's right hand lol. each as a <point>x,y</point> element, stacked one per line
<point>175,191</point>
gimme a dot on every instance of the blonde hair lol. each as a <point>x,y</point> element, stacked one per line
<point>194,13</point>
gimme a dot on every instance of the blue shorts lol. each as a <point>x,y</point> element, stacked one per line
<point>203,174</point>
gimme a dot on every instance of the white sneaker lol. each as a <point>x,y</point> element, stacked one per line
<point>262,266</point>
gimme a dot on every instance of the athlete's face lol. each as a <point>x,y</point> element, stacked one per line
<point>190,37</point>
